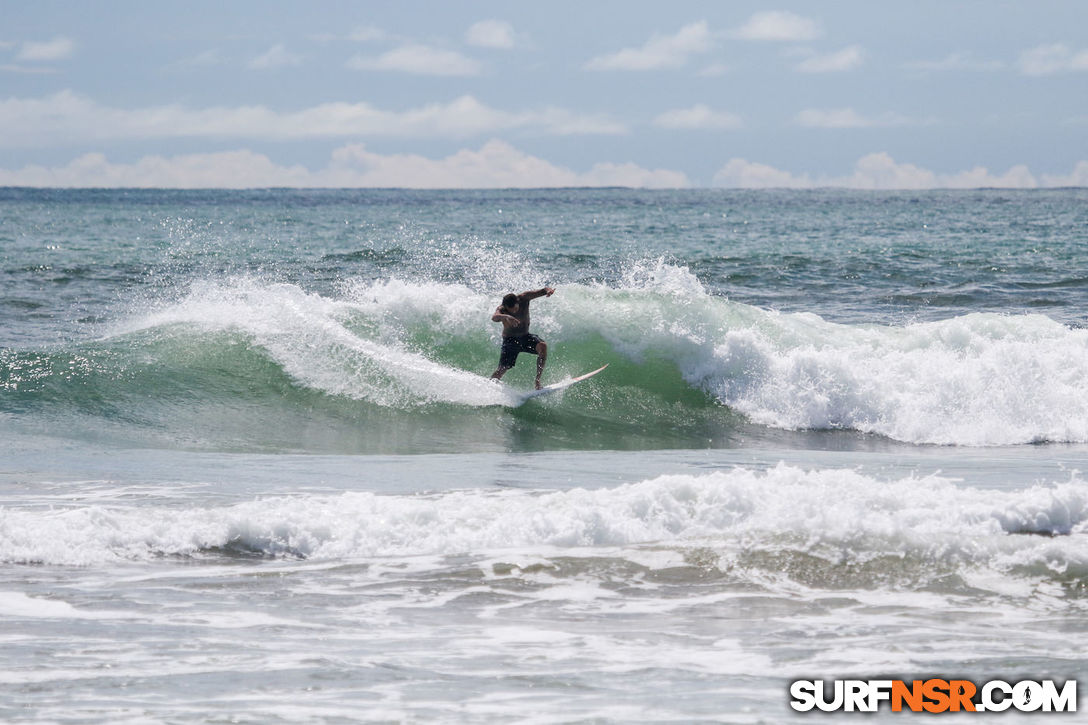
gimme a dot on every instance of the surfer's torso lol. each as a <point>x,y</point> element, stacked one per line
<point>522,316</point>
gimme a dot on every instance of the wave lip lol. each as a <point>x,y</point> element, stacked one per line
<point>324,344</point>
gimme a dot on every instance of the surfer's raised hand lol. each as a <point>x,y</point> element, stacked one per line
<point>549,291</point>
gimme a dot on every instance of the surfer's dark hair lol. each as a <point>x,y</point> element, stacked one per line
<point>510,300</point>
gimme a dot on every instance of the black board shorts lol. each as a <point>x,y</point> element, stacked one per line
<point>511,346</point>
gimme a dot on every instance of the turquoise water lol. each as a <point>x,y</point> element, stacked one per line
<point>251,465</point>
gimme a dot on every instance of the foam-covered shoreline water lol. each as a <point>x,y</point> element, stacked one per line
<point>737,580</point>
<point>839,515</point>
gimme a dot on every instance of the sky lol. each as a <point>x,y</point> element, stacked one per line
<point>258,93</point>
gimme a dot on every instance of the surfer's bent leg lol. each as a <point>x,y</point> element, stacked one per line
<point>508,357</point>
<point>541,358</point>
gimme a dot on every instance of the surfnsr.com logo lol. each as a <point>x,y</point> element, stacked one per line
<point>933,695</point>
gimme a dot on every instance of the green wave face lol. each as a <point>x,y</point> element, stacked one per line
<point>398,367</point>
<point>387,368</point>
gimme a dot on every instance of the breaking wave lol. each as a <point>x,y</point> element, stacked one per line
<point>817,527</point>
<point>677,353</point>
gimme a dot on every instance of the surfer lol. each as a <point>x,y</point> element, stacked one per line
<point>513,313</point>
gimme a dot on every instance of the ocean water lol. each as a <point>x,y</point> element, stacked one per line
<point>252,468</point>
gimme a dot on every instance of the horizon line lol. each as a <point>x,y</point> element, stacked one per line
<point>538,188</point>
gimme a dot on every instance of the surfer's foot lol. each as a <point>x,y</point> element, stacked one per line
<point>538,385</point>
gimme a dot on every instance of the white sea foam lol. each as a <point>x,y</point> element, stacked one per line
<point>309,336</point>
<point>835,515</point>
<point>17,604</point>
<point>980,379</point>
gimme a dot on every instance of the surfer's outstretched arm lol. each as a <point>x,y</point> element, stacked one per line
<point>542,292</point>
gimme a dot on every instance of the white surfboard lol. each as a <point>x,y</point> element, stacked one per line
<point>561,385</point>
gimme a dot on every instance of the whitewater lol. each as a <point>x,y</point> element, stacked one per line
<point>252,466</point>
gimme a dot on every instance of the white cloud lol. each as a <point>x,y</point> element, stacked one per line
<point>881,171</point>
<point>232,169</point>
<point>494,165</point>
<point>1079,177</point>
<point>59,48</point>
<point>419,59</point>
<point>960,61</point>
<point>698,116</point>
<point>1054,58</point>
<point>367,34</point>
<point>660,51</point>
<point>742,174</point>
<point>491,34</point>
<point>275,57</point>
<point>849,118</point>
<point>778,25</point>
<point>837,62</point>
<point>74,118</point>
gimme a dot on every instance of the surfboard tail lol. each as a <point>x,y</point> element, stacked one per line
<point>555,387</point>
